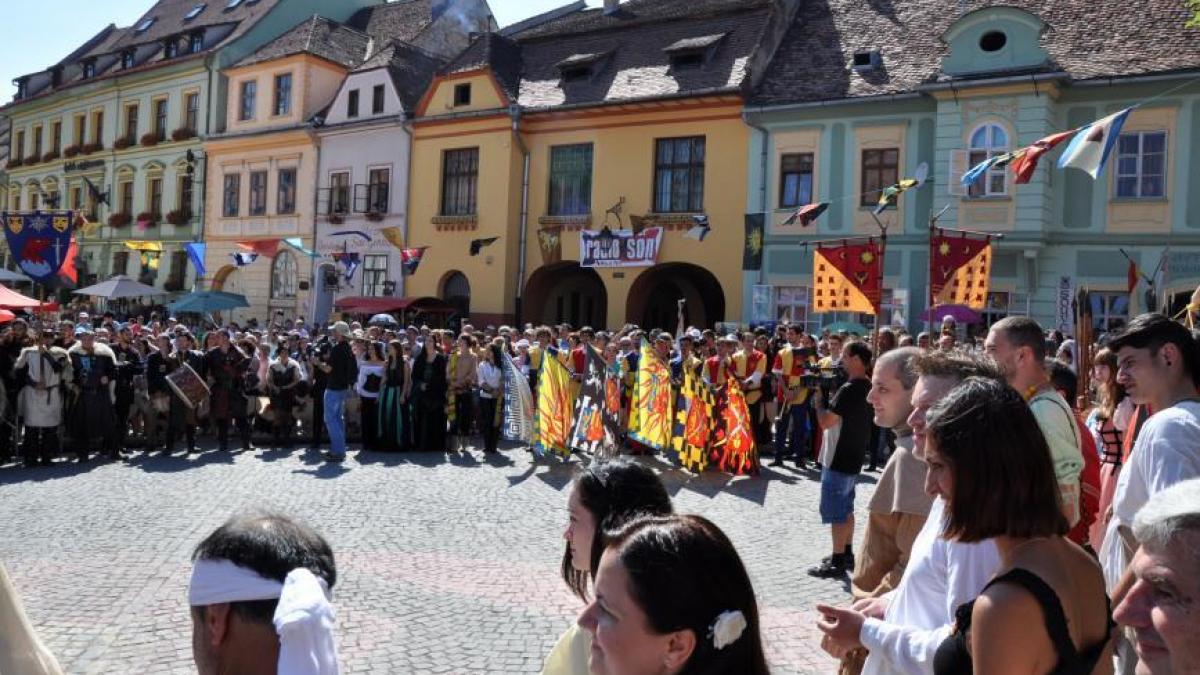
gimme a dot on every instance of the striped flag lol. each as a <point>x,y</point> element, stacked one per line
<point>1090,148</point>
<point>518,403</point>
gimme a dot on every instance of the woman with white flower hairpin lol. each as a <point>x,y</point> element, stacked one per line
<point>673,598</point>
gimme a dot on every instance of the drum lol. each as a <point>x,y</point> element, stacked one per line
<point>188,386</point>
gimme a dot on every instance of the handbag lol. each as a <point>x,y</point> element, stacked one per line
<point>372,383</point>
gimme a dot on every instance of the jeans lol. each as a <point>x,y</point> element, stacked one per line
<point>335,423</point>
<point>792,433</point>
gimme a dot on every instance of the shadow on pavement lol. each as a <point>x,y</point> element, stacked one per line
<point>12,474</point>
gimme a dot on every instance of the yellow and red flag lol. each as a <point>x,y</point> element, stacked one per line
<point>960,270</point>
<point>554,410</point>
<point>694,422</point>
<point>848,278</point>
<point>735,448</point>
<point>654,401</point>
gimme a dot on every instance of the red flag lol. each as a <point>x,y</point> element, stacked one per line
<point>1131,276</point>
<point>949,254</point>
<point>68,271</point>
<point>1026,160</point>
<point>737,454</point>
<point>847,278</point>
<point>263,247</point>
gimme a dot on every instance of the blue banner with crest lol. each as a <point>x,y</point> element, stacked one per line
<point>39,241</point>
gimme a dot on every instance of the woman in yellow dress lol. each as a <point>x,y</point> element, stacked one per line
<point>604,496</point>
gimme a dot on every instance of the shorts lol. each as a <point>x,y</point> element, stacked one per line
<point>837,496</point>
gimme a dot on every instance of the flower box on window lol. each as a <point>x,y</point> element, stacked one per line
<point>124,142</point>
<point>119,219</point>
<point>148,219</point>
<point>150,139</point>
<point>15,162</point>
<point>50,156</point>
<point>173,285</point>
<point>179,217</point>
<point>182,134</point>
<point>374,216</point>
<point>31,160</point>
<point>92,147</point>
<point>336,219</point>
<point>70,151</point>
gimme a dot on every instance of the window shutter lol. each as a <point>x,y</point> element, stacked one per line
<point>958,166</point>
<point>360,198</point>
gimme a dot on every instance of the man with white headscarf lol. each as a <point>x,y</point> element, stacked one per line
<point>260,599</point>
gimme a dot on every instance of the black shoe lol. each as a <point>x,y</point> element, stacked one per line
<point>778,461</point>
<point>832,567</point>
<point>330,457</point>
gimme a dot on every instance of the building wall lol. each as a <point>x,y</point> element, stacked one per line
<point>314,83</point>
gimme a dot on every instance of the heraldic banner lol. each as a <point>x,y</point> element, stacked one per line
<point>553,407</point>
<point>960,270</point>
<point>39,241</point>
<point>847,278</point>
<point>595,431</point>
<point>518,403</point>
<point>654,401</point>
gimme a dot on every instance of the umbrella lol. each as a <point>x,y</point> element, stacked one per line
<point>960,314</point>
<point>9,275</point>
<point>847,326</point>
<point>12,299</point>
<point>201,302</point>
<point>119,286</point>
<point>6,316</point>
<point>383,320</point>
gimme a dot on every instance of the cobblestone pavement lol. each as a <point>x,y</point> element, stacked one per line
<point>447,564</point>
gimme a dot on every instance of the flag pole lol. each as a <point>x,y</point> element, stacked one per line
<point>879,309</point>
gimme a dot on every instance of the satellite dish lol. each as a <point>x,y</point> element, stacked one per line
<point>921,174</point>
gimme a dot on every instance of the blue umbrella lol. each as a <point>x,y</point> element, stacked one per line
<point>202,302</point>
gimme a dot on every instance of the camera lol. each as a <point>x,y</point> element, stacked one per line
<point>828,380</point>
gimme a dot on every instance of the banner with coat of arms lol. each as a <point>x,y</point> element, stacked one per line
<point>960,269</point>
<point>39,241</point>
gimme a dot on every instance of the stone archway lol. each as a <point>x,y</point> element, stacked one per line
<point>655,294</point>
<point>566,293</point>
<point>456,292</point>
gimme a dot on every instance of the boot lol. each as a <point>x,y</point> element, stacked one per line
<point>191,440</point>
<point>223,438</point>
<point>247,446</point>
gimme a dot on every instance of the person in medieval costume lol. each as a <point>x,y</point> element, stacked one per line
<point>47,369</point>
<point>93,418</point>
<point>180,415</point>
<point>227,366</point>
<point>129,364</point>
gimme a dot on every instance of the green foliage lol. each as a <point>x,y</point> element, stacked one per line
<point>1195,7</point>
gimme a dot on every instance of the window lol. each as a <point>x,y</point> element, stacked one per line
<point>283,94</point>
<point>34,204</point>
<point>258,193</point>
<point>19,146</point>
<point>52,198</point>
<point>993,41</point>
<point>80,128</point>
<point>145,24</point>
<point>791,305</point>
<point>283,276</point>
<point>120,262</point>
<point>89,69</point>
<point>679,175</point>
<point>687,60</point>
<point>56,137</point>
<point>131,123</point>
<point>126,196</point>
<point>375,274</point>
<point>195,42</point>
<point>37,142</point>
<point>1110,311</point>
<point>194,12</point>
<point>988,141</point>
<point>179,263</point>
<point>233,186</point>
<point>352,103</point>
<point>460,171</point>
<point>127,59</point>
<point>186,190</point>
<point>339,192</point>
<point>75,195</point>
<point>1141,164</point>
<point>232,3</point>
<point>795,179</point>
<point>249,90</point>
<point>377,100</point>
<point>880,168</point>
<point>191,103</point>
<point>160,119</point>
<point>377,190</point>
<point>156,194</point>
<point>571,180</point>
<point>462,94</point>
<point>285,198</point>
<point>171,47</point>
<point>1001,304</point>
<point>16,200</point>
<point>97,126</point>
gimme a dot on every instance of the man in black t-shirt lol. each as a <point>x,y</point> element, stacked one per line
<point>848,418</point>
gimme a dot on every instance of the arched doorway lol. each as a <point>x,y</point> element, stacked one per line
<point>566,293</point>
<point>456,292</point>
<point>654,297</point>
<point>227,280</point>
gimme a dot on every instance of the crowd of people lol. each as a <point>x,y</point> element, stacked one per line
<point>1015,523</point>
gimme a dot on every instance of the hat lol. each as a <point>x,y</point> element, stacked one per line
<point>729,338</point>
<point>664,336</point>
<point>522,344</point>
<point>694,334</point>
<point>341,328</point>
<point>83,330</point>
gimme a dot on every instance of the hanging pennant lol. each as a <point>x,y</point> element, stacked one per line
<point>393,236</point>
<point>410,259</point>
<point>960,270</point>
<point>479,244</point>
<point>298,244</point>
<point>752,249</point>
<point>806,214</point>
<point>195,253</point>
<point>1027,158</point>
<point>699,229</point>
<point>550,244</point>
<point>847,278</point>
<point>243,258</point>
<point>267,247</point>
<point>1090,148</point>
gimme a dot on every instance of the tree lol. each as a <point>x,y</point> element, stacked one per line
<point>1195,7</point>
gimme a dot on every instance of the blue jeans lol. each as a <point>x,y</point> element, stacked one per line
<point>792,433</point>
<point>335,424</point>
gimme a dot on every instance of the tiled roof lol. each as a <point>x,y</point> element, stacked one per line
<point>318,36</point>
<point>169,20</point>
<point>400,20</point>
<point>634,13</point>
<point>499,53</point>
<point>1085,39</point>
<point>410,68</point>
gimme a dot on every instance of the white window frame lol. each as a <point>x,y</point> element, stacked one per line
<point>791,304</point>
<point>978,152</point>
<point>375,274</point>
<point>1139,174</point>
<point>1107,320</point>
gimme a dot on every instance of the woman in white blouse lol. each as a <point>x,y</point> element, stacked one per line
<point>370,379</point>
<point>490,391</point>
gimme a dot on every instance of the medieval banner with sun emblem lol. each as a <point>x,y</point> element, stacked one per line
<point>960,270</point>
<point>39,241</point>
<point>848,278</point>
<point>752,251</point>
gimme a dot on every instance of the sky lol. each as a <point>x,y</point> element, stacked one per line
<point>35,35</point>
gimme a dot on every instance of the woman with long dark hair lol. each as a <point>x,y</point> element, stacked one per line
<point>429,386</point>
<point>1046,611</point>
<point>673,598</point>
<point>603,496</point>
<point>370,383</point>
<point>393,399</point>
<point>1107,422</point>
<point>490,379</point>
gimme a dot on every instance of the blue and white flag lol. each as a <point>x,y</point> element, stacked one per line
<point>1090,148</point>
<point>243,258</point>
<point>195,253</point>
<point>981,168</point>
<point>518,403</point>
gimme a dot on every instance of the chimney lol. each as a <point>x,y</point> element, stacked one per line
<point>611,7</point>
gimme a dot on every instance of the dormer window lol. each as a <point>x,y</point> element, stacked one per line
<point>22,87</point>
<point>194,12</point>
<point>462,94</point>
<point>195,42</point>
<point>693,52</point>
<point>993,41</point>
<point>866,60</point>
<point>127,59</point>
<point>89,69</point>
<point>170,48</point>
<point>231,4</point>
<point>581,66</point>
<point>55,76</point>
<point>145,24</point>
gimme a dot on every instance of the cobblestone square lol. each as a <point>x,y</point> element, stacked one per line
<point>447,563</point>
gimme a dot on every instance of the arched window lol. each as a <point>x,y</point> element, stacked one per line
<point>456,291</point>
<point>283,276</point>
<point>987,141</point>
